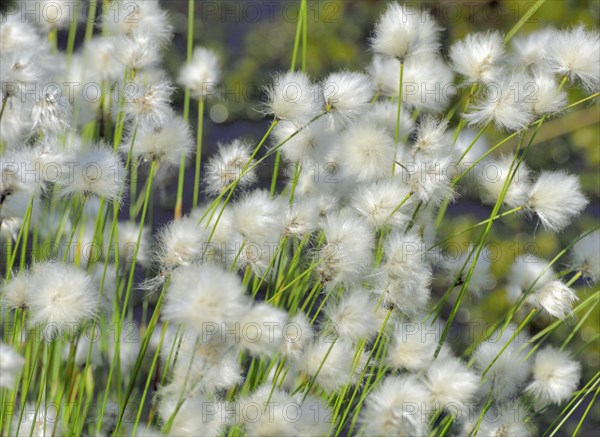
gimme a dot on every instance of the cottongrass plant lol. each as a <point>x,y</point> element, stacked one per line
<point>315,307</point>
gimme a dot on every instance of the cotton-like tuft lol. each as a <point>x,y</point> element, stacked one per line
<point>528,272</point>
<point>555,376</point>
<point>202,295</point>
<point>556,298</point>
<point>329,360</point>
<point>494,175</point>
<point>547,98</point>
<point>197,415</point>
<point>149,106</point>
<point>353,318</point>
<point>138,18</point>
<point>432,137</point>
<point>506,375</point>
<point>227,166</point>
<point>61,298</point>
<point>11,364</point>
<point>347,254</point>
<point>263,329</point>
<point>164,144</point>
<point>399,406</point>
<point>136,52</point>
<point>383,114</point>
<point>294,98</point>
<point>405,273</point>
<point>365,153</point>
<point>452,385</point>
<point>575,53</point>
<point>347,95</point>
<point>413,345</point>
<point>202,73</point>
<point>381,203</point>
<point>556,198</point>
<point>503,104</point>
<point>179,243</point>
<point>15,290</point>
<point>97,171</point>
<point>585,256</point>
<point>479,57</point>
<point>403,31</point>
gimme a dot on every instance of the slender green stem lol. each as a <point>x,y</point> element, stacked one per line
<point>532,10</point>
<point>199,135</point>
<point>400,85</point>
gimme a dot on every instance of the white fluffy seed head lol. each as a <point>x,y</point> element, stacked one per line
<point>365,153</point>
<point>347,95</point>
<point>138,18</point>
<point>478,57</point>
<point>428,177</point>
<point>503,104</point>
<point>149,106</point>
<point>136,52</point>
<point>17,35</point>
<point>329,359</point>
<point>51,113</point>
<point>97,171</point>
<point>263,328</point>
<point>10,366</point>
<point>585,256</point>
<point>258,217</point>
<point>504,419</point>
<point>427,83</point>
<point>227,165</point>
<point>494,175</point>
<point>299,334</point>
<point>164,144</point>
<point>406,274</point>
<point>293,97</point>
<point>547,98</point>
<point>191,418</point>
<point>451,384</point>
<point>302,218</point>
<point>556,298</point>
<point>556,198</point>
<point>387,411</point>
<point>60,298</point>
<point>179,244</point>
<point>383,114</point>
<point>507,374</point>
<point>202,73</point>
<point>432,137</point>
<point>205,362</point>
<point>353,317</point>
<point>380,203</point>
<point>528,272</point>
<point>403,31</point>
<point>531,50</point>
<point>301,144</point>
<point>575,53</point>
<point>99,59</point>
<point>15,290</point>
<point>348,252</point>
<point>256,423</point>
<point>203,294</point>
<point>555,376</point>
<point>413,345</point>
